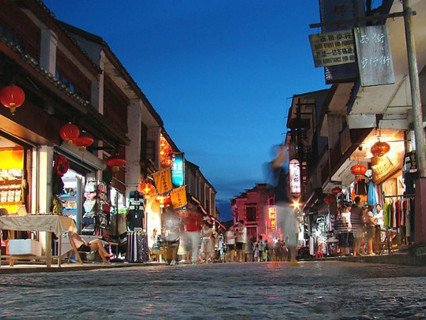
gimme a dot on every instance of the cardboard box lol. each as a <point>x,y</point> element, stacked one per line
<point>24,247</point>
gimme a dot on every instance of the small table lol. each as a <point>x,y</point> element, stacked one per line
<point>47,223</point>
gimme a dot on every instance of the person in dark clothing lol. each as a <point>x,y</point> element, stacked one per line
<point>286,216</point>
<point>357,225</point>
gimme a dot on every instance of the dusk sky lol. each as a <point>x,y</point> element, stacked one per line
<point>221,74</point>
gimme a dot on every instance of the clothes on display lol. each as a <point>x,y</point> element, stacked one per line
<point>137,246</point>
<point>136,210</point>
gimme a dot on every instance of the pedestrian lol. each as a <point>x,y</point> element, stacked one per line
<point>369,229</point>
<point>230,244</point>
<point>357,222</point>
<point>207,244</point>
<point>287,217</point>
<point>342,228</point>
<point>171,233</point>
<point>241,240</point>
<point>256,251</point>
<point>192,224</point>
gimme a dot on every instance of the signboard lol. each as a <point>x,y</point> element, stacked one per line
<point>178,197</point>
<point>334,11</point>
<point>178,167</point>
<point>272,216</point>
<point>295,179</point>
<point>163,180</point>
<point>387,166</point>
<point>332,48</point>
<point>374,57</point>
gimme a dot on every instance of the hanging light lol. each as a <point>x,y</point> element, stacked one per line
<point>167,162</point>
<point>84,140</point>
<point>12,97</point>
<point>380,148</point>
<point>115,163</point>
<point>358,169</point>
<point>146,188</point>
<point>69,132</point>
<point>336,190</point>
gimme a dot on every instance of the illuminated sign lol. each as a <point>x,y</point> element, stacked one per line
<point>272,216</point>
<point>295,179</point>
<point>178,170</point>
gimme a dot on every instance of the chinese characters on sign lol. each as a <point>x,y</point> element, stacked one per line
<point>295,179</point>
<point>178,170</point>
<point>332,48</point>
<point>374,57</point>
<point>163,180</point>
<point>272,215</point>
<point>178,197</point>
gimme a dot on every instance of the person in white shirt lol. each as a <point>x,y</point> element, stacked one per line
<point>241,240</point>
<point>230,244</point>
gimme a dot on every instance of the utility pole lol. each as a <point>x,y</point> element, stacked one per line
<point>415,91</point>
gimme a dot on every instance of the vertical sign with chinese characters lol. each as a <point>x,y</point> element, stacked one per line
<point>334,11</point>
<point>332,48</point>
<point>178,197</point>
<point>295,178</point>
<point>272,216</point>
<point>374,57</point>
<point>163,180</point>
<point>178,167</point>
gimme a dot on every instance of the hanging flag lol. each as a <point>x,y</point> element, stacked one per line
<point>163,180</point>
<point>178,197</point>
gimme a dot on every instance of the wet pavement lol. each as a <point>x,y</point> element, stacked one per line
<point>310,290</point>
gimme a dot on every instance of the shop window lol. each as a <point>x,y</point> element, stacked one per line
<point>251,213</point>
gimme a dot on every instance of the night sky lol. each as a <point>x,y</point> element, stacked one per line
<point>221,74</point>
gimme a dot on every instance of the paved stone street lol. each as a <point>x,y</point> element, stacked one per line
<point>311,290</point>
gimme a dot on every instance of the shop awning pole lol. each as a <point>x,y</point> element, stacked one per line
<point>415,91</point>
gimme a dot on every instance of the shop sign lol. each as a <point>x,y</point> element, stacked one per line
<point>337,11</point>
<point>332,48</point>
<point>163,180</point>
<point>295,179</point>
<point>374,57</point>
<point>178,197</point>
<point>178,167</point>
<point>272,216</point>
<point>386,167</point>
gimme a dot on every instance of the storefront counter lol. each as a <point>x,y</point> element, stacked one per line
<point>47,223</point>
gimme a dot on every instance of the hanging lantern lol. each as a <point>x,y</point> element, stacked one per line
<point>83,141</point>
<point>12,97</point>
<point>336,190</point>
<point>380,148</point>
<point>115,163</point>
<point>61,165</point>
<point>167,162</point>
<point>146,188</point>
<point>329,199</point>
<point>69,132</point>
<point>358,169</point>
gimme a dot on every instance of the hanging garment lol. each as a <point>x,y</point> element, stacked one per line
<point>394,218</point>
<point>386,214</point>
<point>361,188</point>
<point>372,194</point>
<point>407,218</point>
<point>397,213</point>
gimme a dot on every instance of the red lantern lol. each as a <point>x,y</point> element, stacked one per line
<point>84,140</point>
<point>12,97</point>
<point>336,190</point>
<point>329,199</point>
<point>380,148</point>
<point>61,165</point>
<point>146,188</point>
<point>358,169</point>
<point>115,162</point>
<point>167,162</point>
<point>69,132</point>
